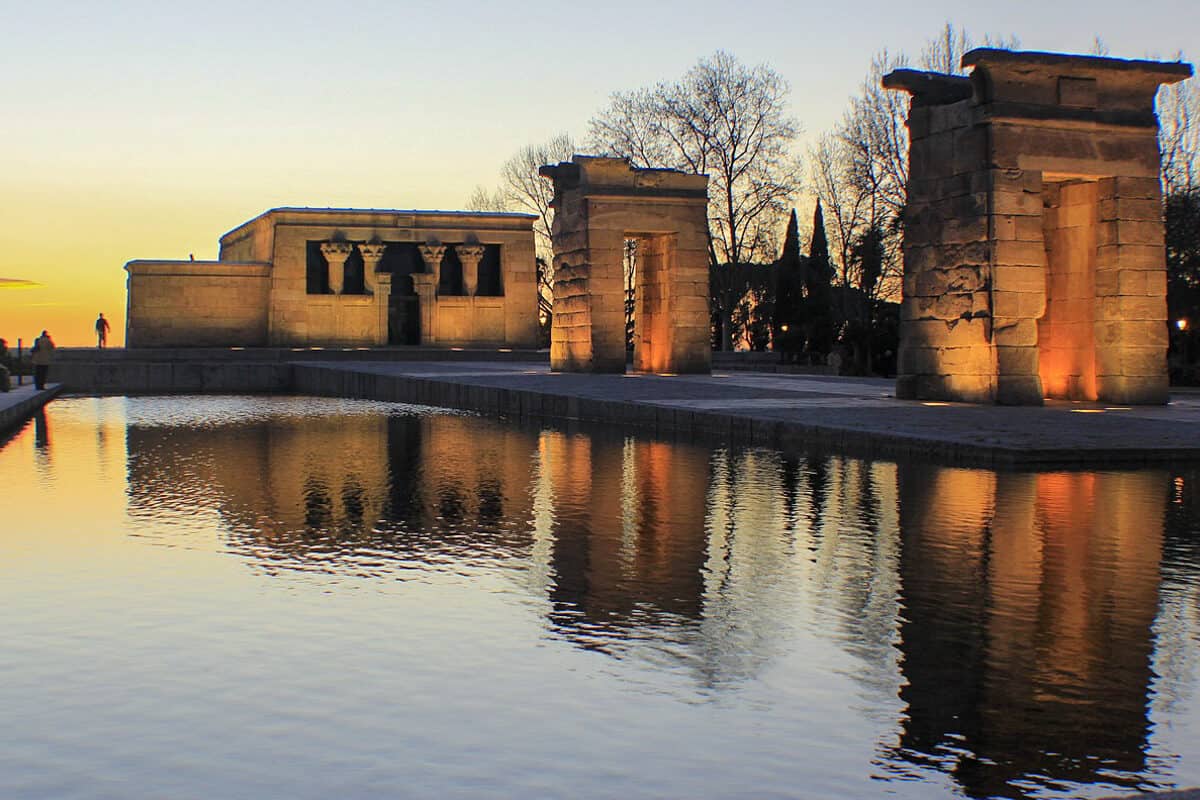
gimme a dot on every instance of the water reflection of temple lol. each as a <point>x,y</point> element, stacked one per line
<point>1029,601</point>
<point>1002,624</point>
<point>361,492</point>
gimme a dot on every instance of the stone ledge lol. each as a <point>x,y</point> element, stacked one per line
<point>23,402</point>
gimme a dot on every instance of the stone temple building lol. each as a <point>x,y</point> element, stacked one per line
<point>1034,262</point>
<point>346,277</point>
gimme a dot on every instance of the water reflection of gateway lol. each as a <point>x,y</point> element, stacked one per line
<point>1026,638</point>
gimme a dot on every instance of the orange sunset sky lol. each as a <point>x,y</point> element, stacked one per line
<point>148,129</point>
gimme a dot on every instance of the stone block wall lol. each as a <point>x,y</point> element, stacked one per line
<point>946,351</point>
<point>471,321</point>
<point>1130,327</point>
<point>196,304</point>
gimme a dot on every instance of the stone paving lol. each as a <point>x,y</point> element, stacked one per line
<point>861,413</point>
<point>22,402</point>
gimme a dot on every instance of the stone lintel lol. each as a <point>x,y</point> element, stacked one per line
<point>597,175</point>
<point>1080,65</point>
<point>382,220</point>
<point>1053,86</point>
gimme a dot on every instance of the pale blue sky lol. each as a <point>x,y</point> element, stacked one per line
<point>146,129</point>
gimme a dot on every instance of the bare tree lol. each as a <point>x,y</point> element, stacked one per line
<point>726,120</point>
<point>943,53</point>
<point>831,182</point>
<point>522,189</point>
<point>484,199</point>
<point>1179,136</point>
<point>860,173</point>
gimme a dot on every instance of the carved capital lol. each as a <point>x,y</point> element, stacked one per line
<point>336,252</point>
<point>432,254</point>
<point>469,252</point>
<point>372,253</point>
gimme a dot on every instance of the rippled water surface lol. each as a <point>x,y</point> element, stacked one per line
<point>306,598</point>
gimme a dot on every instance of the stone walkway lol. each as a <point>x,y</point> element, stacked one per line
<point>22,402</point>
<point>851,414</point>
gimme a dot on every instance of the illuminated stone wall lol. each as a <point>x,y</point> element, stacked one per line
<point>1067,330</point>
<point>191,303</point>
<point>1034,263</point>
<point>196,304</point>
<point>600,203</point>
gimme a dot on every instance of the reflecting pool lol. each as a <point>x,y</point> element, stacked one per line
<point>243,597</point>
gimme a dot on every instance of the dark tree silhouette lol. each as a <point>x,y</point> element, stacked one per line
<point>819,320</point>
<point>787,325</point>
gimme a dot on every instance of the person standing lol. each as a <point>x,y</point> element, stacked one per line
<point>42,354</point>
<point>101,330</point>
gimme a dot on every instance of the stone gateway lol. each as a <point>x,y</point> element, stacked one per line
<point>599,203</point>
<point>1034,263</point>
<point>346,277</point>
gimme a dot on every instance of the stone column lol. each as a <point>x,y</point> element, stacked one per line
<point>425,285</point>
<point>470,255</point>
<point>383,292</point>
<point>336,254</point>
<point>372,254</point>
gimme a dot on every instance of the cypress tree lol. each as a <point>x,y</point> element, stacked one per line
<point>819,325</point>
<point>818,248</point>
<point>787,321</point>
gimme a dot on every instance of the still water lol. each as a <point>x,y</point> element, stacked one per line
<point>228,597</point>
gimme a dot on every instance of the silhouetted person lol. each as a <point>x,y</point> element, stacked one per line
<point>41,431</point>
<point>42,354</point>
<point>101,330</point>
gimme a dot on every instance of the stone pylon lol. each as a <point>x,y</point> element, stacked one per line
<point>1034,263</point>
